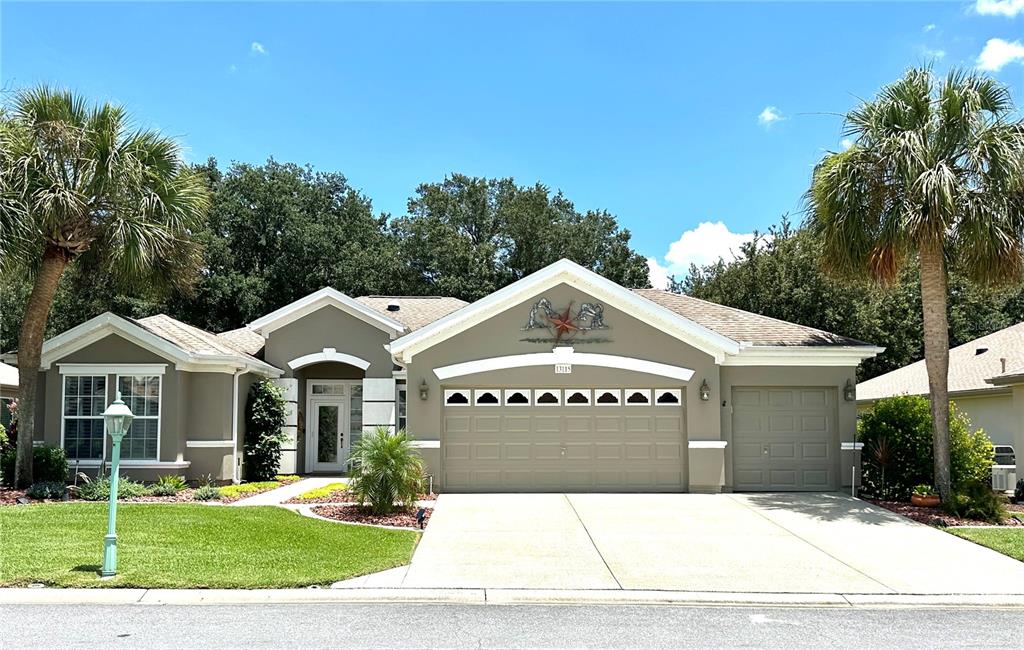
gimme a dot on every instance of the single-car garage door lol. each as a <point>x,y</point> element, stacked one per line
<point>784,439</point>
<point>553,440</point>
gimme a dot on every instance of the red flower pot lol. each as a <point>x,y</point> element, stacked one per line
<point>929,501</point>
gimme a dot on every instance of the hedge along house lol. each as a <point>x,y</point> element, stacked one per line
<point>561,381</point>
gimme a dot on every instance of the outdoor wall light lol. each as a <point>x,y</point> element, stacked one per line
<point>849,391</point>
<point>424,390</point>
<point>118,417</point>
<point>705,391</point>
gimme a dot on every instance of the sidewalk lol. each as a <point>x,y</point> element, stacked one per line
<point>23,596</point>
<point>279,495</point>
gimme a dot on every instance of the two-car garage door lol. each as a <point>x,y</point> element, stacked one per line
<point>553,440</point>
<point>784,439</point>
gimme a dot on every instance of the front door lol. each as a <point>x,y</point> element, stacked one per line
<point>329,429</point>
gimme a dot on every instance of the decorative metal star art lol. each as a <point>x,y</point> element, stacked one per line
<point>563,324</point>
<point>566,325</point>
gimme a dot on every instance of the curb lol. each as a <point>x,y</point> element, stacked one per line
<point>45,596</point>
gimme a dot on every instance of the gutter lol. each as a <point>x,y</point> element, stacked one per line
<point>234,425</point>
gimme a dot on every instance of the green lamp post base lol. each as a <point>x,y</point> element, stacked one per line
<point>109,556</point>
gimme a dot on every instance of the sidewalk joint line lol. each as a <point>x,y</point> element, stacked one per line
<point>812,545</point>
<point>592,542</point>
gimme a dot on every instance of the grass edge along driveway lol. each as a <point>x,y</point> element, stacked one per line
<point>1006,540</point>
<point>190,546</point>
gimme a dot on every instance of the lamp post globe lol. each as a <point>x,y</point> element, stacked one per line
<point>117,419</point>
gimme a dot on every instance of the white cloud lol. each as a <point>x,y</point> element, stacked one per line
<point>257,48</point>
<point>770,115</point>
<point>1009,8</point>
<point>929,27</point>
<point>998,53</point>
<point>933,54</point>
<point>657,274</point>
<point>232,68</point>
<point>846,143</point>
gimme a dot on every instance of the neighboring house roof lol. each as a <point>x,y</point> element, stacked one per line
<point>971,366</point>
<point>413,311</point>
<point>8,375</point>
<point>244,339</point>
<point>317,300</point>
<point>744,326</point>
<point>678,318</point>
<point>190,348</point>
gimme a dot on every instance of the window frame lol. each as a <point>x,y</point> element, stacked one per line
<point>85,372</point>
<point>401,405</point>
<point>159,407</point>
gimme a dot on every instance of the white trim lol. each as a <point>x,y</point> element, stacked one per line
<point>234,427</point>
<point>209,444</point>
<point>325,297</point>
<point>561,356</point>
<point>400,374</point>
<point>136,464</point>
<point>564,272</point>
<point>328,355</point>
<point>852,446</point>
<point>159,408</point>
<point>148,369</point>
<point>108,323</point>
<point>425,444</point>
<point>801,355</point>
<point>708,444</point>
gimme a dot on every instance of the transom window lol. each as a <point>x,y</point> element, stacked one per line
<point>142,395</point>
<point>85,399</point>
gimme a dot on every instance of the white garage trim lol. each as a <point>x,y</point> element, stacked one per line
<point>708,444</point>
<point>329,354</point>
<point>560,356</point>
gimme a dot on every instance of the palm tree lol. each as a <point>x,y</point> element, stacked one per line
<point>79,185</point>
<point>936,172</point>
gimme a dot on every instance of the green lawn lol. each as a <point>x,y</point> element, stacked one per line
<point>190,545</point>
<point>1008,541</point>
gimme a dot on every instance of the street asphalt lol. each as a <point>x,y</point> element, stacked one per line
<point>390,625</point>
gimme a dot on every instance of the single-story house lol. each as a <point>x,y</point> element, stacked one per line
<point>563,380</point>
<point>8,391</point>
<point>978,383</point>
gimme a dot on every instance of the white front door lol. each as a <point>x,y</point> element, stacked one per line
<point>329,435</point>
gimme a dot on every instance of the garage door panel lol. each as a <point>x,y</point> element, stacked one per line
<point>664,451</point>
<point>579,478</point>
<point>579,451</point>
<point>636,451</point>
<point>638,424</point>
<point>547,424</point>
<point>518,424</point>
<point>487,451</point>
<point>608,450</point>
<point>487,424</point>
<point>607,423</point>
<point>517,451</point>
<point>579,424</point>
<point>547,451</point>
<point>668,424</point>
<point>457,451</point>
<point>796,427</point>
<point>457,423</point>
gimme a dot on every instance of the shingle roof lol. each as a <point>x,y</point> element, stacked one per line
<point>744,326</point>
<point>189,338</point>
<point>414,311</point>
<point>968,370</point>
<point>244,339</point>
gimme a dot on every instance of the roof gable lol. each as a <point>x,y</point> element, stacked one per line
<point>565,272</point>
<point>326,297</point>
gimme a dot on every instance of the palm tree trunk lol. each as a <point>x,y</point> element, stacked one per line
<point>936,357</point>
<point>30,351</point>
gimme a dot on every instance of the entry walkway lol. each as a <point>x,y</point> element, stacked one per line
<point>279,495</point>
<point>765,543</point>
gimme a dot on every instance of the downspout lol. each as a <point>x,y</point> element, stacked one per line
<point>234,425</point>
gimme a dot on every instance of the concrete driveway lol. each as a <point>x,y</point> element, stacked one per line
<point>808,543</point>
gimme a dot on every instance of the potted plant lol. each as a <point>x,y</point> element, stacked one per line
<point>924,496</point>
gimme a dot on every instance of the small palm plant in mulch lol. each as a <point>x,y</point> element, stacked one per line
<point>386,471</point>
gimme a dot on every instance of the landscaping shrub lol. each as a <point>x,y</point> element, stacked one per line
<point>206,493</point>
<point>977,500</point>
<point>98,489</point>
<point>4,440</point>
<point>47,490</point>
<point>168,485</point>
<point>49,465</point>
<point>897,454</point>
<point>264,421</point>
<point>386,470</point>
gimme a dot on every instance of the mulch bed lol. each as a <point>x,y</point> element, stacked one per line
<point>362,515</point>
<point>936,517</point>
<point>342,496</point>
<point>10,497</point>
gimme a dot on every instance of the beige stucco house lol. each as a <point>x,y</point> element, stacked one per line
<point>561,381</point>
<point>980,383</point>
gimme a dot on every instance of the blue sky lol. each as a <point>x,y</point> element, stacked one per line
<point>669,115</point>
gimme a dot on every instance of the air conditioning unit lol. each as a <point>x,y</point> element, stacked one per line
<point>1004,477</point>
